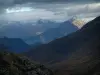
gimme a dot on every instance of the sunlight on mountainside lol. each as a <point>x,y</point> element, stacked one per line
<point>81,22</point>
<point>78,23</point>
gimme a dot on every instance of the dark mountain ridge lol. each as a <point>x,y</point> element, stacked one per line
<point>85,59</point>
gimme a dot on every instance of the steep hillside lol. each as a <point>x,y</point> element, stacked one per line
<point>60,49</point>
<point>83,61</point>
<point>12,64</point>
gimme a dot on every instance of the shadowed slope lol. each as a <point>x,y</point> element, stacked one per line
<point>12,64</point>
<point>85,60</point>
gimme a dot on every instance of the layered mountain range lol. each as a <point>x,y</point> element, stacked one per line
<point>75,54</point>
<point>40,31</point>
<point>25,29</point>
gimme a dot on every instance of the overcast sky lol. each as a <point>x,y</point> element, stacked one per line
<point>58,10</point>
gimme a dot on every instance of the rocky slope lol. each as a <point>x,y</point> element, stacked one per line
<point>12,64</point>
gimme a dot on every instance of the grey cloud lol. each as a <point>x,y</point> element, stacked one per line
<point>10,3</point>
<point>57,12</point>
<point>82,9</point>
<point>4,3</point>
<point>60,11</point>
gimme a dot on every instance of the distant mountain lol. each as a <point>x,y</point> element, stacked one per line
<point>13,44</point>
<point>40,31</point>
<point>80,47</point>
<point>63,29</point>
<point>25,29</point>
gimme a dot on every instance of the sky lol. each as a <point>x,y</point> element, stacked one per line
<point>57,10</point>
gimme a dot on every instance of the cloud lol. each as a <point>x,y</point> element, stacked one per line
<point>88,11</point>
<point>12,3</point>
<point>57,12</point>
<point>30,15</point>
<point>44,9</point>
<point>9,3</point>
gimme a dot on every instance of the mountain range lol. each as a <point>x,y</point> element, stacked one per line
<point>63,29</point>
<point>75,54</point>
<point>23,30</point>
<point>38,31</point>
<point>49,31</point>
<point>50,34</point>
